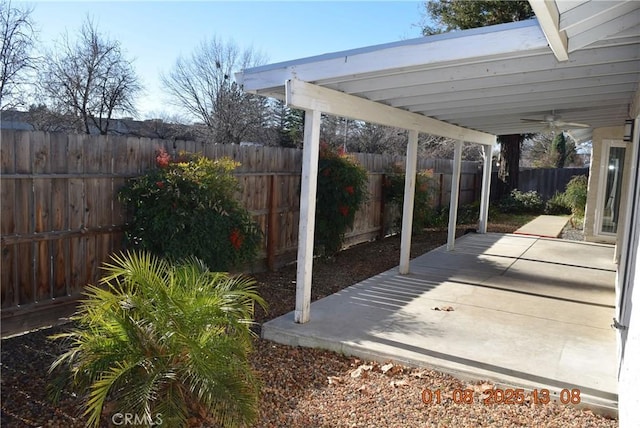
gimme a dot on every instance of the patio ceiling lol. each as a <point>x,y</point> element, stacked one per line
<point>489,79</point>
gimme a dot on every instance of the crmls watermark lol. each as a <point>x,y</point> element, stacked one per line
<point>124,419</point>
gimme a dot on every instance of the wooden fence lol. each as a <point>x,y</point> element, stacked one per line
<point>61,219</point>
<point>548,181</point>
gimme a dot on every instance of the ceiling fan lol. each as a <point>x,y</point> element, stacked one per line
<point>554,121</point>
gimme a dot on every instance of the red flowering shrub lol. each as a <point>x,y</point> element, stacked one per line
<point>162,158</point>
<point>187,207</point>
<point>236,239</point>
<point>342,189</point>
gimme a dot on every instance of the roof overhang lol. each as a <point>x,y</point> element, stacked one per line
<point>486,79</point>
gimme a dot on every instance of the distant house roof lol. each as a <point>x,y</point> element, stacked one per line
<point>12,119</point>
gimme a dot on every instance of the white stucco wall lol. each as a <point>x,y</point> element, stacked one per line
<point>599,135</point>
<point>629,379</point>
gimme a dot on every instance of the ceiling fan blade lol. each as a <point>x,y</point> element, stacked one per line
<point>534,121</point>
<point>573,125</point>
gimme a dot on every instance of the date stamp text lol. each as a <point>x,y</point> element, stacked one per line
<point>500,396</point>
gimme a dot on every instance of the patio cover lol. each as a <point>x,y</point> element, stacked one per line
<point>581,62</point>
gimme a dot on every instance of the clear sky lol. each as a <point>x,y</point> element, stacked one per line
<point>156,33</point>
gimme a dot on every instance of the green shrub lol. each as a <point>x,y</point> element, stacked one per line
<point>557,205</point>
<point>163,340</point>
<point>467,214</point>
<point>575,195</point>
<point>522,202</point>
<point>342,189</point>
<point>424,214</point>
<point>188,207</point>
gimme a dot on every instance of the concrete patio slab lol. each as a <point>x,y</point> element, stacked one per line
<point>585,254</point>
<point>547,226</point>
<point>518,322</point>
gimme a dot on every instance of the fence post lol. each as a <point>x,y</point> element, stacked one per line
<point>475,187</point>
<point>272,224</point>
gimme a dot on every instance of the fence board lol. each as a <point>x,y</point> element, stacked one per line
<point>58,152</point>
<point>40,156</point>
<point>42,223</point>
<point>7,276</point>
<point>24,267</point>
<point>8,284</point>
<point>22,152</point>
<point>7,152</point>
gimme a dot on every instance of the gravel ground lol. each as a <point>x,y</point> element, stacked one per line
<point>307,387</point>
<point>572,233</point>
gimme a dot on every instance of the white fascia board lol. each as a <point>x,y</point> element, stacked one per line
<point>549,19</point>
<point>308,96</point>
<point>456,47</point>
<point>587,12</point>
<point>634,108</point>
<point>610,28</point>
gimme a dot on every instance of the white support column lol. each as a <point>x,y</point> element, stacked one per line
<point>486,188</point>
<point>407,208</point>
<point>307,214</point>
<point>455,191</point>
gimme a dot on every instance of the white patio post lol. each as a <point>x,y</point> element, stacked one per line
<point>455,190</point>
<point>307,214</point>
<point>407,208</point>
<point>486,188</point>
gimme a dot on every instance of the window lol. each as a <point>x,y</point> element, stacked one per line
<point>611,187</point>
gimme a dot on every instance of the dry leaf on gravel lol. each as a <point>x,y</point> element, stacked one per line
<point>481,387</point>
<point>364,389</point>
<point>334,380</point>
<point>397,383</point>
<point>362,369</point>
<point>420,374</point>
<point>385,368</point>
<point>443,308</point>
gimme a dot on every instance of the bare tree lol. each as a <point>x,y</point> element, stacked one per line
<point>18,38</point>
<point>371,138</point>
<point>544,151</point>
<point>203,85</point>
<point>91,79</point>
<point>42,118</point>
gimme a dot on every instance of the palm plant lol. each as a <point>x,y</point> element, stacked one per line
<point>163,339</point>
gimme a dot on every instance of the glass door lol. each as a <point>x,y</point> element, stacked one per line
<point>610,208</point>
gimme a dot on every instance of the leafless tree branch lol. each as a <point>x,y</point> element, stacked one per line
<point>90,79</point>
<point>203,86</point>
<point>18,38</point>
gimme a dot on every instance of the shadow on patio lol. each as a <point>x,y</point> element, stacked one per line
<point>527,312</point>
